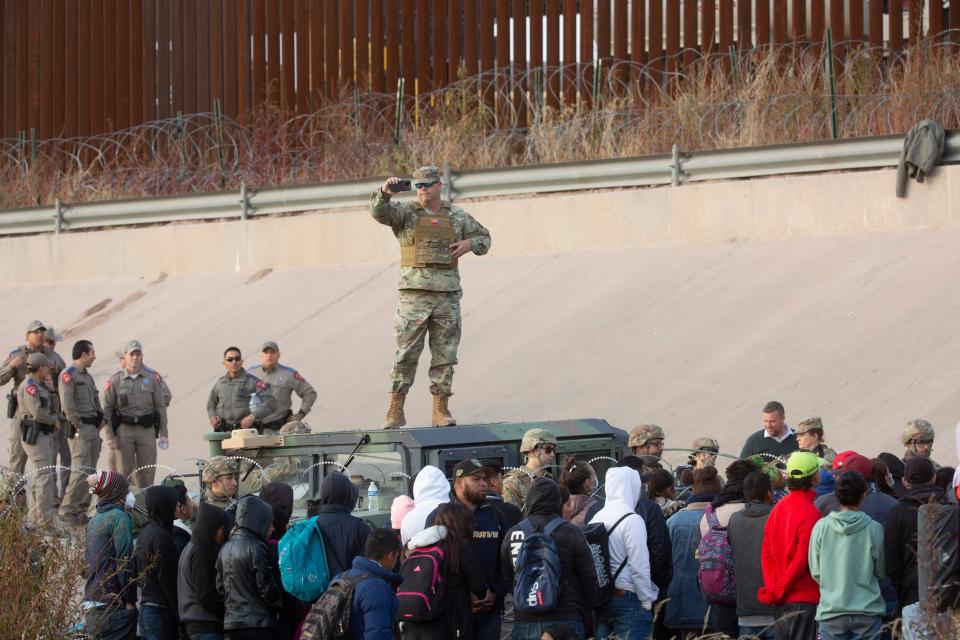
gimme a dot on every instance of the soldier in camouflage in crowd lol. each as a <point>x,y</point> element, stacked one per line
<point>220,475</point>
<point>810,438</point>
<point>541,448</point>
<point>15,367</point>
<point>917,437</point>
<point>433,235</point>
<point>646,442</point>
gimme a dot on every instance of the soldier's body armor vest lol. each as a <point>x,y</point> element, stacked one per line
<point>432,238</point>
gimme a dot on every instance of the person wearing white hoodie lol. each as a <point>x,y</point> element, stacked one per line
<point>430,489</point>
<point>628,614</point>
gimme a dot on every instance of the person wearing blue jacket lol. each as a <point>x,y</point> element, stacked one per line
<point>375,600</point>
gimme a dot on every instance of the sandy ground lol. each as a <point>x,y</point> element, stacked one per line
<point>860,330</point>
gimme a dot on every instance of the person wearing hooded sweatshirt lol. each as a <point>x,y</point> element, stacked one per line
<point>686,609</point>
<point>430,490</point>
<point>279,495</point>
<point>344,535</point>
<point>846,560</point>
<point>745,534</point>
<point>199,604</point>
<point>110,592</point>
<point>157,563</point>
<point>375,600</point>
<point>787,583</point>
<point>578,575</point>
<point>246,576</point>
<point>628,613</point>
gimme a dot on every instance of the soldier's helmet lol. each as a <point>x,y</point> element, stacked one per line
<point>535,437</point>
<point>219,467</point>
<point>643,433</point>
<point>295,426</point>
<point>919,430</point>
<point>706,445</point>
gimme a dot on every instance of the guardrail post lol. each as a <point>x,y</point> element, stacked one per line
<point>675,166</point>
<point>244,202</point>
<point>57,216</point>
<point>447,182</point>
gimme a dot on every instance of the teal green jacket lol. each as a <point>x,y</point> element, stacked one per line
<point>846,560</point>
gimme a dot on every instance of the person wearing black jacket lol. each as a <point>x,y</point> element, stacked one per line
<point>900,529</point>
<point>246,576</point>
<point>157,564</point>
<point>344,536</point>
<point>577,589</point>
<point>511,512</point>
<point>200,606</point>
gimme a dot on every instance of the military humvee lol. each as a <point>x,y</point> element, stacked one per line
<point>391,458</point>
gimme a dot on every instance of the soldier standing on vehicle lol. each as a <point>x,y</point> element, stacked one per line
<point>646,442</point>
<point>541,448</point>
<point>37,420</point>
<point>81,405</point>
<point>284,381</point>
<point>15,367</point>
<point>61,446</point>
<point>433,235</point>
<point>239,400</point>
<point>133,403</point>
<point>917,437</point>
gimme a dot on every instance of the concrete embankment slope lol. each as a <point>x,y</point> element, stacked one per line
<point>855,323</point>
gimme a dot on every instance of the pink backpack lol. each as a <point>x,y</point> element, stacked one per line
<point>717,581</point>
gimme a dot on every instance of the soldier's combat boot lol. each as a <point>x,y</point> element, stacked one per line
<point>395,417</point>
<point>441,413</point>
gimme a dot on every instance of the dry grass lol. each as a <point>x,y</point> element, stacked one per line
<point>766,96</point>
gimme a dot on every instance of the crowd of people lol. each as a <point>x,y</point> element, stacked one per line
<point>780,543</point>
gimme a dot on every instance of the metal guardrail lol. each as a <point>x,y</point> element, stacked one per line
<point>676,169</point>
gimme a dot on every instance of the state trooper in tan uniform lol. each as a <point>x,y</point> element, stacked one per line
<point>81,405</point>
<point>61,446</point>
<point>433,235</point>
<point>134,404</point>
<point>238,400</point>
<point>15,367</point>
<point>284,381</point>
<point>37,421</point>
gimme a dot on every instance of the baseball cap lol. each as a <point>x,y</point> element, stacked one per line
<point>840,459</point>
<point>469,467</point>
<point>35,325</point>
<point>919,470</point>
<point>270,344</point>
<point>861,464</point>
<point>133,345</point>
<point>53,335</point>
<point>803,464</point>
<point>37,360</point>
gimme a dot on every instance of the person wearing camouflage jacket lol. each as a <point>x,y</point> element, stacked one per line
<point>540,447</point>
<point>917,437</point>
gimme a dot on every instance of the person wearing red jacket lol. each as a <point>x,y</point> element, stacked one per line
<point>787,583</point>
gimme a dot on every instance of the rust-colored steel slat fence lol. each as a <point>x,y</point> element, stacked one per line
<point>72,68</point>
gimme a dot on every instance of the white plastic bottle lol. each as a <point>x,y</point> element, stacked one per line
<point>254,403</point>
<point>373,497</point>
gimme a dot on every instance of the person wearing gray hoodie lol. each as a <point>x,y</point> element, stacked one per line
<point>846,560</point>
<point>745,534</point>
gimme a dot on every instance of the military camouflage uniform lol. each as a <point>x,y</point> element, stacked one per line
<point>429,295</point>
<point>214,469</point>
<point>516,483</point>
<point>17,460</point>
<point>921,430</point>
<point>284,381</point>
<point>230,400</point>
<point>81,405</point>
<point>36,404</point>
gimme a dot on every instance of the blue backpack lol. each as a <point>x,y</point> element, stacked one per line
<point>303,561</point>
<point>537,569</point>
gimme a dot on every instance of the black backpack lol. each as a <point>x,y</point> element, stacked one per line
<point>422,589</point>
<point>329,617</point>
<point>598,537</point>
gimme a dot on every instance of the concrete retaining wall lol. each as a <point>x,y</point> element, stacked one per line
<point>764,209</point>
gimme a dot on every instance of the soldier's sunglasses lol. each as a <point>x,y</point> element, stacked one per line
<point>425,185</point>
<point>232,359</point>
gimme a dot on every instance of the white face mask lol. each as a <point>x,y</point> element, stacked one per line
<point>890,479</point>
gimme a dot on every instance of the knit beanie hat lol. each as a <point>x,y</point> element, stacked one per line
<point>402,505</point>
<point>108,486</point>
